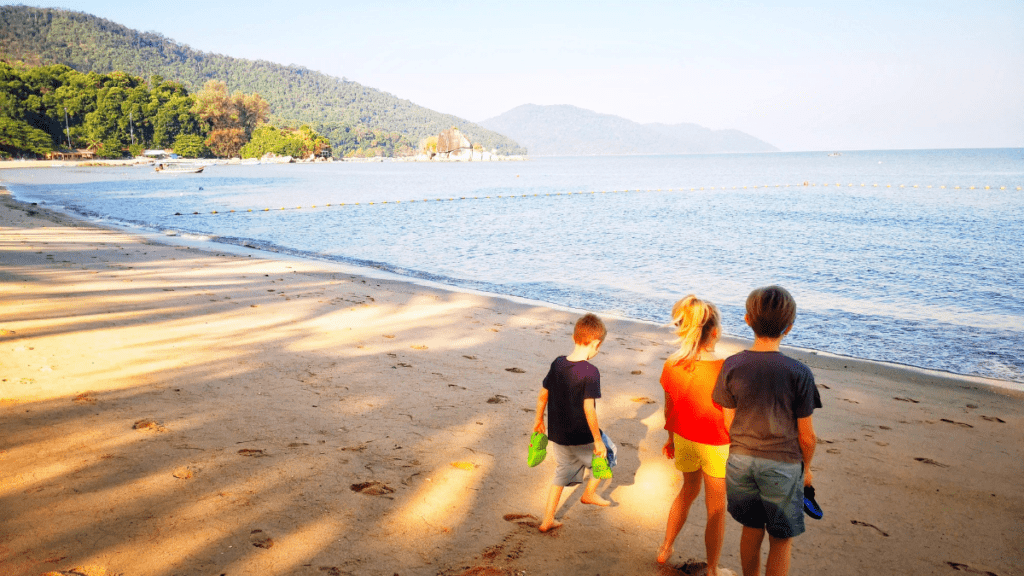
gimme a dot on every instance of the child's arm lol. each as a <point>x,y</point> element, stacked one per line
<point>590,409</point>
<point>542,403</point>
<point>805,429</point>
<point>728,415</point>
<point>669,449</point>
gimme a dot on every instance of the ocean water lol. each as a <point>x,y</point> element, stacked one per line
<point>912,257</point>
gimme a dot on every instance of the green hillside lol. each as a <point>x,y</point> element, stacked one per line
<point>334,107</point>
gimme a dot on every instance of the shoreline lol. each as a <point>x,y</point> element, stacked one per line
<point>812,357</point>
<point>175,409</point>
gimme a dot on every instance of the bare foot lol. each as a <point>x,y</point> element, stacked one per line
<point>664,553</point>
<point>595,500</point>
<point>547,527</point>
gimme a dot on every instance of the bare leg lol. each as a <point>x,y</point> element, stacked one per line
<point>750,550</point>
<point>714,532</point>
<point>549,522</point>
<point>590,494</point>
<point>779,550</point>
<point>678,512</point>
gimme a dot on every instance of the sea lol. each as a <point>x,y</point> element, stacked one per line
<point>914,257</point>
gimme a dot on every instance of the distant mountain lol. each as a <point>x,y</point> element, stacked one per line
<point>37,36</point>
<point>570,131</point>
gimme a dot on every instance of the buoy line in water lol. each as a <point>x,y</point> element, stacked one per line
<point>503,196</point>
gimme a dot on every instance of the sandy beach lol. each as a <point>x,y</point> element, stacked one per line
<point>170,410</point>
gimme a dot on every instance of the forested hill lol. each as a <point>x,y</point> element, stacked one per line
<point>37,36</point>
<point>570,131</point>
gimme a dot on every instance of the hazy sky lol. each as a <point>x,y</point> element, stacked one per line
<point>800,75</point>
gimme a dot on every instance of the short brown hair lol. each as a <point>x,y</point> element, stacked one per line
<point>771,310</point>
<point>589,328</point>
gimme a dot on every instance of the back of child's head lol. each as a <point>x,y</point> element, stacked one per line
<point>696,321</point>
<point>771,310</point>
<point>589,328</point>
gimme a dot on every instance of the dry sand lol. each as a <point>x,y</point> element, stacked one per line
<point>171,411</point>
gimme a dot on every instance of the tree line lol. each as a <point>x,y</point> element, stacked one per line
<point>351,115</point>
<point>48,108</point>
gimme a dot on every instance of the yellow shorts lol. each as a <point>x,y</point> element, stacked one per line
<point>692,456</point>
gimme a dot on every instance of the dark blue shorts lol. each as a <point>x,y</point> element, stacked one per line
<point>766,494</point>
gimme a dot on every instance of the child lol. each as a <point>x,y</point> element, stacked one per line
<point>571,389</point>
<point>697,438</point>
<point>768,399</point>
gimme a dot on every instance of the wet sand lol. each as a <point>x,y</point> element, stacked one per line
<point>172,410</point>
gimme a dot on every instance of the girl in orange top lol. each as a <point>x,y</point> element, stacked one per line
<point>697,437</point>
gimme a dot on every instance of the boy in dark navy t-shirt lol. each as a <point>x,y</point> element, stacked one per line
<point>570,391</point>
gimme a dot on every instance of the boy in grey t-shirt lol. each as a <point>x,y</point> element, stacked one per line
<point>767,400</point>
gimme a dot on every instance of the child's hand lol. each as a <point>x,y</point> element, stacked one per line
<point>808,476</point>
<point>669,449</point>
<point>600,449</point>
<point>538,426</point>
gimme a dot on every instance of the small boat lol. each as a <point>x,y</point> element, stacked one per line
<point>180,168</point>
<point>836,154</point>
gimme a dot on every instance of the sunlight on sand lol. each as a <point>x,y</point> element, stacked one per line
<point>448,492</point>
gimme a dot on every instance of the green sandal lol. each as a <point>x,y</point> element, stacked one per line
<point>599,468</point>
<point>538,449</point>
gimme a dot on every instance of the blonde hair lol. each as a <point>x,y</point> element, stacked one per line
<point>589,328</point>
<point>695,321</point>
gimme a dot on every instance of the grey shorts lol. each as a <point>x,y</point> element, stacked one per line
<point>766,494</point>
<point>571,462</point>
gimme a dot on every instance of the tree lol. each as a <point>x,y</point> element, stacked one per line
<point>191,146</point>
<point>226,142</point>
<point>251,109</point>
<point>303,142</point>
<point>17,137</point>
<point>429,145</point>
<point>231,118</point>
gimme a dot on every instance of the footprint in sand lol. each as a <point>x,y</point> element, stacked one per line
<point>253,452</point>
<point>961,424</point>
<point>372,488</point>
<point>965,568</point>
<point>184,473</point>
<point>148,425</point>
<point>524,519</point>
<point>993,419</point>
<point>932,462</point>
<point>497,399</point>
<point>261,539</point>
<point>515,370</point>
<point>911,400</point>
<point>636,372</point>
<point>84,398</point>
<point>865,524</point>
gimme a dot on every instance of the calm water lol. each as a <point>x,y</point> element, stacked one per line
<point>925,276</point>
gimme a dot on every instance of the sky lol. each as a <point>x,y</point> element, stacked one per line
<point>840,75</point>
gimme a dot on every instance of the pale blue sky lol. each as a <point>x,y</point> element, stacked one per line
<point>800,75</point>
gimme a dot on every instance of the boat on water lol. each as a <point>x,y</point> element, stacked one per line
<point>182,168</point>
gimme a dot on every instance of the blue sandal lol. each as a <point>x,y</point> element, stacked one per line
<point>810,505</point>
